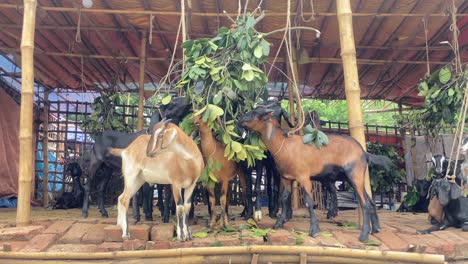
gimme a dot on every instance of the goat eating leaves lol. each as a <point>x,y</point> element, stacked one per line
<point>343,156</point>
<point>168,156</point>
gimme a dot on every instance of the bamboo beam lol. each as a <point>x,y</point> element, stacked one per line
<point>352,89</point>
<point>26,161</point>
<point>278,60</point>
<point>141,85</point>
<point>45,151</point>
<point>322,253</point>
<point>211,14</point>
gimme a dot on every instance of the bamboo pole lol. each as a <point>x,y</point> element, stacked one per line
<point>352,89</point>
<point>324,253</point>
<point>141,88</point>
<point>216,14</point>
<point>26,161</point>
<point>45,151</point>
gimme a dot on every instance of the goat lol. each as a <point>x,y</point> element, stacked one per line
<point>341,154</point>
<point>73,199</point>
<point>168,156</point>
<point>464,165</point>
<point>176,109</point>
<point>213,150</point>
<point>442,164</point>
<point>455,205</point>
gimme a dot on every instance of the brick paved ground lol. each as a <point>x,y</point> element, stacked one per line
<point>66,231</point>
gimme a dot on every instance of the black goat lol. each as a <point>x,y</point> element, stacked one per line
<point>442,164</point>
<point>176,110</point>
<point>73,199</point>
<point>455,205</point>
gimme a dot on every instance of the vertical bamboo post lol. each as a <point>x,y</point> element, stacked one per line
<point>45,151</point>
<point>293,71</point>
<point>352,89</point>
<point>141,87</point>
<point>26,162</point>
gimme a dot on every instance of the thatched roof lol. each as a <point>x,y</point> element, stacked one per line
<point>389,36</point>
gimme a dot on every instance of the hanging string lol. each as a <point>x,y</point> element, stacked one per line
<point>184,31</point>
<point>83,84</point>
<point>78,27</point>
<point>455,33</point>
<point>428,70</point>
<point>150,39</point>
<point>312,16</point>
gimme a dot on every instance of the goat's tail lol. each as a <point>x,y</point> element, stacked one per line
<point>380,160</point>
<point>115,151</point>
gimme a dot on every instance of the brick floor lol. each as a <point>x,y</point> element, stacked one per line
<point>59,227</point>
<point>161,232</point>
<point>95,234</point>
<point>73,248</point>
<point>76,232</point>
<point>12,246</point>
<point>40,243</point>
<point>19,233</point>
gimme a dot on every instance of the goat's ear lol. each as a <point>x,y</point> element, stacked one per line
<point>270,129</point>
<point>455,191</point>
<point>169,135</point>
<point>152,147</point>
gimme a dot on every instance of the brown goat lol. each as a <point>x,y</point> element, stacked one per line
<point>435,210</point>
<point>341,157</point>
<point>168,156</point>
<point>214,150</point>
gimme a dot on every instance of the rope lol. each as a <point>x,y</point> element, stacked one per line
<point>455,33</point>
<point>78,27</point>
<point>184,30</point>
<point>282,143</point>
<point>428,70</point>
<point>151,29</point>
<point>83,85</point>
<point>312,16</point>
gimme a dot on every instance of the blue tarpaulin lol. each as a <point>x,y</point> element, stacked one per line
<point>55,171</point>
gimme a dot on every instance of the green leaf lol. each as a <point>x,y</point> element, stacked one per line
<point>200,111</point>
<point>372,243</point>
<point>216,110</point>
<point>258,52</point>
<point>200,234</point>
<point>218,97</point>
<point>213,177</point>
<point>326,234</point>
<point>450,92</point>
<point>423,86</point>
<point>307,138</point>
<point>308,129</point>
<point>236,146</point>
<point>444,75</point>
<point>248,75</point>
<point>246,67</point>
<point>166,99</point>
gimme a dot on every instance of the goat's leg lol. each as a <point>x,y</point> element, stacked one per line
<point>132,184</point>
<point>356,177</point>
<point>188,193</point>
<point>285,203</point>
<point>180,214</point>
<point>275,192</point>
<point>307,192</point>
<point>166,203</point>
<point>160,203</point>
<point>85,209</point>
<point>136,206</point>
<point>224,203</point>
<point>248,210</point>
<point>256,195</point>
<point>147,202</point>
<point>102,187</point>
<point>243,186</point>
<point>333,206</point>
<point>212,202</point>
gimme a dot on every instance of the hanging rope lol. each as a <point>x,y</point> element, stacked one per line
<point>184,31</point>
<point>455,33</point>
<point>428,70</point>
<point>300,121</point>
<point>83,84</point>
<point>150,39</point>
<point>312,16</point>
<point>78,27</point>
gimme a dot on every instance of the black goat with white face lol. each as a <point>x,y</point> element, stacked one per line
<point>442,164</point>
<point>455,205</point>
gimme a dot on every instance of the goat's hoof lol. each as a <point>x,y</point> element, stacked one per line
<point>422,232</point>
<point>364,238</point>
<point>278,225</point>
<point>331,215</point>
<point>105,215</point>
<point>258,215</point>
<point>125,237</point>
<point>150,218</point>
<point>84,215</point>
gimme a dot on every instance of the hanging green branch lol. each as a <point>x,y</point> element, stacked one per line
<point>224,78</point>
<point>443,92</point>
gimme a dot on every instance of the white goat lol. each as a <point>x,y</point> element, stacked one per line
<point>171,157</point>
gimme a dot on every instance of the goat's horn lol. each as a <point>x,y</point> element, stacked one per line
<point>165,122</point>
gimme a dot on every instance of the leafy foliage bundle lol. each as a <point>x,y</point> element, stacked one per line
<point>383,181</point>
<point>224,79</point>
<point>443,92</point>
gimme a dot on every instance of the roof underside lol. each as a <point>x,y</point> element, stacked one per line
<point>389,36</point>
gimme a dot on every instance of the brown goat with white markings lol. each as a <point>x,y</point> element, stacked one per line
<point>342,157</point>
<point>168,156</point>
<point>214,150</point>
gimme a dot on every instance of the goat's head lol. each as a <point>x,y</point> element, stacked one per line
<point>445,190</point>
<point>176,110</point>
<point>464,147</point>
<point>161,137</point>
<point>259,120</point>
<point>75,169</point>
<point>438,163</point>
